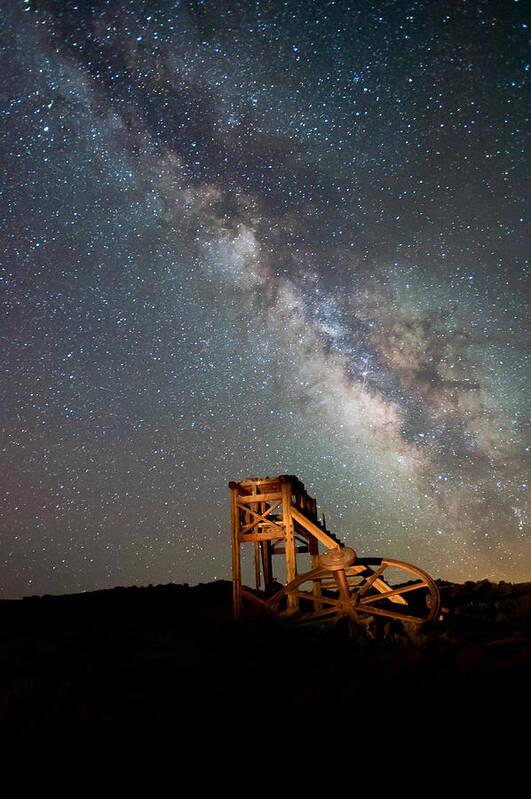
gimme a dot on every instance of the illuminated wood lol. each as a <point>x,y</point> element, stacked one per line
<point>289,539</point>
<point>236,564</point>
<point>249,596</point>
<point>314,529</point>
<point>271,534</point>
<point>267,565</point>
<point>397,592</point>
<point>269,510</point>
<point>260,498</point>
<point>279,518</point>
<point>259,517</point>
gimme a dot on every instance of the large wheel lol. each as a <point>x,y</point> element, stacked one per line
<point>376,588</point>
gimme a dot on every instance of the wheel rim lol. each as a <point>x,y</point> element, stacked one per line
<point>378,588</point>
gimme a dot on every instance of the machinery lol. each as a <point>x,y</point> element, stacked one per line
<point>278,517</point>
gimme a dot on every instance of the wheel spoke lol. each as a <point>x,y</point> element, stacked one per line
<point>395,592</point>
<point>370,580</point>
<point>366,590</point>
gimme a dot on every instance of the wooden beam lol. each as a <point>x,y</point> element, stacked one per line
<point>236,564</point>
<point>266,563</point>
<point>393,593</point>
<point>248,499</point>
<point>312,528</point>
<point>317,590</point>
<point>260,517</point>
<point>256,600</point>
<point>291,555</point>
<point>257,564</point>
<point>270,534</point>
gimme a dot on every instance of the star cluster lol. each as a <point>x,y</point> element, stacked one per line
<point>248,238</point>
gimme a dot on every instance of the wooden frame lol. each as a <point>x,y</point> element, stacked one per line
<point>278,517</point>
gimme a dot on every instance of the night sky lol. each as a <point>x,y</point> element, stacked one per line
<point>256,238</point>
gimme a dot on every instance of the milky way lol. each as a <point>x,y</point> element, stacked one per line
<point>256,238</point>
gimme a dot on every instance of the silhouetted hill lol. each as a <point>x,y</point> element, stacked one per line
<point>172,654</point>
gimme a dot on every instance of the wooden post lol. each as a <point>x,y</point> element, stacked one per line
<point>289,532</point>
<point>266,563</point>
<point>269,512</point>
<point>256,507</point>
<point>236,562</point>
<point>265,551</point>
<point>317,589</point>
<point>257,564</point>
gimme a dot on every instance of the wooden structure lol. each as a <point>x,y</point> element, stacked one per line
<point>279,518</point>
